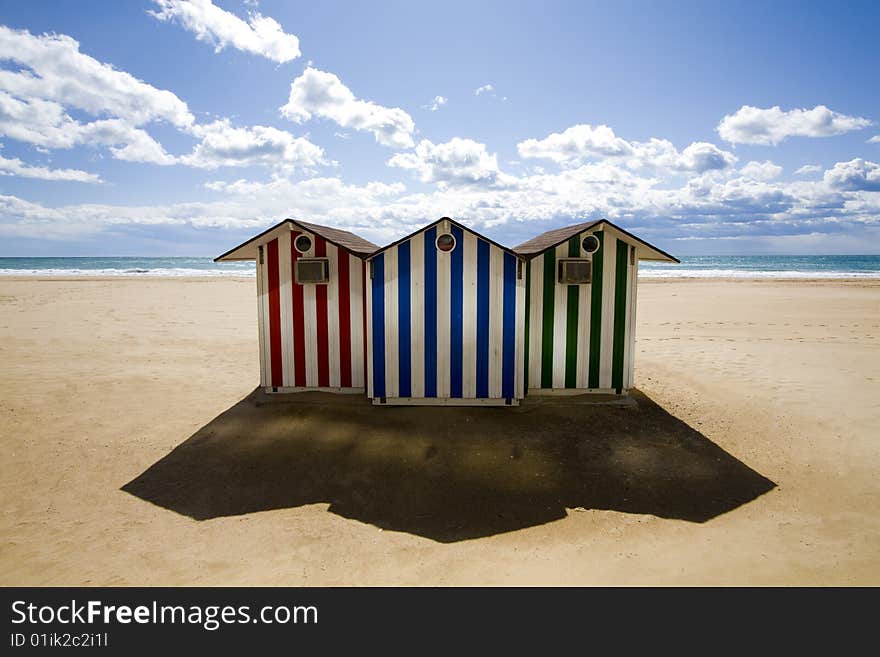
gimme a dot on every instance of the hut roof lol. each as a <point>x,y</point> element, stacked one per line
<point>555,237</point>
<point>341,238</point>
<point>431,225</point>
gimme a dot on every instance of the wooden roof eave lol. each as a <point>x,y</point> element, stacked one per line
<point>242,251</point>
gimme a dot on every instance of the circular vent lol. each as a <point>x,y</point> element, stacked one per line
<point>590,244</point>
<point>445,242</point>
<point>303,243</point>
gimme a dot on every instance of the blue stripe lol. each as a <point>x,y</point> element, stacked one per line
<point>379,326</point>
<point>430,313</point>
<point>404,327</point>
<point>508,357</point>
<point>482,318</point>
<point>456,306</point>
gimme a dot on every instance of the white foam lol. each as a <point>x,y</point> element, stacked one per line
<point>158,272</point>
<point>746,273</point>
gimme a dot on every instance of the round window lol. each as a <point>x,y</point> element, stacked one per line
<point>445,242</point>
<point>590,244</point>
<point>303,243</point>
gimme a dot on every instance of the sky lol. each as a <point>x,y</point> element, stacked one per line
<point>175,127</point>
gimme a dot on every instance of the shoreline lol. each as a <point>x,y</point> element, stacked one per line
<point>870,281</point>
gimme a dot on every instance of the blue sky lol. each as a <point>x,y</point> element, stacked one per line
<point>169,127</point>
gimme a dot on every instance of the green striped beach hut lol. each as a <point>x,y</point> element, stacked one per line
<point>580,308</point>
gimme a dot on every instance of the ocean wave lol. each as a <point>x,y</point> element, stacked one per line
<point>158,272</point>
<point>748,273</point>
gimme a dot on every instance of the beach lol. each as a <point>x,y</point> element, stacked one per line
<point>120,397</point>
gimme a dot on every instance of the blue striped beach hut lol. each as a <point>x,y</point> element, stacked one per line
<point>580,309</point>
<point>445,309</point>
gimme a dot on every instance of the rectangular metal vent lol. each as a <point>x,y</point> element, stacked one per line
<point>312,270</point>
<point>575,271</point>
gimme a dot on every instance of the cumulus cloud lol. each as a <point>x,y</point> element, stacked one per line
<point>224,145</point>
<point>808,169</point>
<point>765,170</point>
<point>53,69</point>
<point>583,142</point>
<point>874,140</point>
<point>436,104</point>
<point>855,175</point>
<point>15,167</point>
<point>577,143</point>
<point>53,77</point>
<point>259,35</point>
<point>456,162</point>
<point>321,94</point>
<point>485,89</point>
<point>754,125</point>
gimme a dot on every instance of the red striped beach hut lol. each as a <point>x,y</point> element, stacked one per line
<point>310,306</point>
<point>580,308</point>
<point>444,319</point>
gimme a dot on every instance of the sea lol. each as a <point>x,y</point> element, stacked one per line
<point>763,266</point>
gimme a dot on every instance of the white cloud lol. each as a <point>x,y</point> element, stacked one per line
<point>259,35</point>
<point>808,169</point>
<point>224,145</point>
<point>577,143</point>
<point>15,167</point>
<point>54,76</point>
<point>754,125</point>
<point>714,206</point>
<point>436,104</point>
<point>874,140</point>
<point>456,162</point>
<point>53,69</point>
<point>485,89</point>
<point>765,170</point>
<point>583,142</point>
<point>855,175</point>
<point>321,94</point>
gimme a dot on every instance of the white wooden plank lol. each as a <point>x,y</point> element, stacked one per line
<point>443,319</point>
<point>633,305</point>
<point>261,318</point>
<point>356,315</point>
<point>583,339</point>
<point>496,325</point>
<point>560,322</point>
<point>417,314</point>
<point>285,269</point>
<point>469,316</point>
<point>333,314</point>
<point>520,329</point>
<point>608,273</point>
<point>392,335</point>
<point>536,305</point>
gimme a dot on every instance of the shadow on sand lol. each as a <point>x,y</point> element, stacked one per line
<point>447,473</point>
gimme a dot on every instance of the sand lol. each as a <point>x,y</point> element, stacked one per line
<point>137,452</point>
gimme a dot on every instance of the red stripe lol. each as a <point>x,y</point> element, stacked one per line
<point>344,320</point>
<point>274,314</point>
<point>299,327</point>
<point>364,313</point>
<point>321,313</point>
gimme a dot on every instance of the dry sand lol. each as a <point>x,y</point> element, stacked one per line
<point>136,452</point>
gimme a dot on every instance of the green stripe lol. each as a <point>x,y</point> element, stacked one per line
<point>547,323</point>
<point>596,311</point>
<point>528,319</point>
<point>571,328</point>
<point>619,316</point>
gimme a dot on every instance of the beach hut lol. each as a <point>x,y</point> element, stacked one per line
<point>580,308</point>
<point>310,306</point>
<point>444,319</point>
